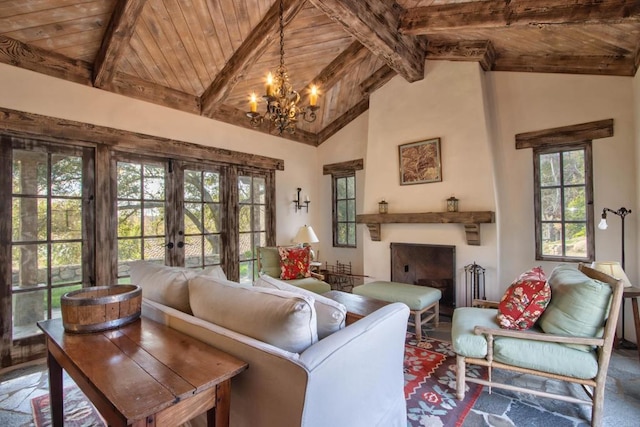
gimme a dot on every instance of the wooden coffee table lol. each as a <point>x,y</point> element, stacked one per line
<point>358,306</point>
<point>141,374</point>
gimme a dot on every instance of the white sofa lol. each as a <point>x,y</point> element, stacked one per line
<point>352,377</point>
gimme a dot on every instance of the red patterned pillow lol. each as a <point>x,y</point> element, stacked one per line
<point>525,300</point>
<point>294,262</point>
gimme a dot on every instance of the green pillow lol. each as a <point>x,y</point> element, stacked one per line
<point>270,261</point>
<point>579,305</point>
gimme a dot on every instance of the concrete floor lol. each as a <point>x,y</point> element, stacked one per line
<point>499,408</point>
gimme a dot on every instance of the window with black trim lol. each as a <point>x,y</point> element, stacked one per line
<point>344,210</point>
<point>563,202</point>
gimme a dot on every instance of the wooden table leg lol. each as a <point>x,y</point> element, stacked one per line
<point>55,391</point>
<point>636,320</point>
<point>218,416</point>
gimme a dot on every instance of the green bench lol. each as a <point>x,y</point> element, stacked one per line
<point>423,302</point>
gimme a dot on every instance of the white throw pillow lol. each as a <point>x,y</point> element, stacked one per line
<point>331,314</point>
<point>168,285</point>
<point>283,319</point>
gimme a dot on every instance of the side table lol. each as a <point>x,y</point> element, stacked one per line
<point>142,374</point>
<point>633,293</point>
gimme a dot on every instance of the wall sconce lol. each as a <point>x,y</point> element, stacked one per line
<point>297,202</point>
<point>452,204</point>
<point>383,207</point>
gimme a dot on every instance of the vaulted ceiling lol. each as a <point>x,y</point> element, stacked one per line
<point>206,56</point>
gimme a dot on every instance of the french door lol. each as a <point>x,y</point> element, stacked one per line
<point>56,198</point>
<point>48,220</point>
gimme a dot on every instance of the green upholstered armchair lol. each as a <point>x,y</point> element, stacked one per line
<point>572,340</point>
<point>269,264</point>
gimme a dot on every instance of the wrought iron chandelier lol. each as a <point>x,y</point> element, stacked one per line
<point>282,100</point>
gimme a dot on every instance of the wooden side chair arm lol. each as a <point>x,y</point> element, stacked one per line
<point>536,336</point>
<point>483,303</point>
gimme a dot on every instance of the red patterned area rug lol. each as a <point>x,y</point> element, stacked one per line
<point>78,411</point>
<point>430,384</point>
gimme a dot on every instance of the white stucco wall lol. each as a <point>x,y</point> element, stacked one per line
<point>525,102</point>
<point>350,143</point>
<point>448,104</point>
<point>37,93</point>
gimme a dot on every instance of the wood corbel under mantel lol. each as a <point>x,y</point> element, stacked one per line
<point>470,220</point>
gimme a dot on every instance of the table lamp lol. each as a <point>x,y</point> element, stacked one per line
<point>305,236</point>
<point>613,269</point>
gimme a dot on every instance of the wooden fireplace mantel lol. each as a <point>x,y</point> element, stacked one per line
<point>470,220</point>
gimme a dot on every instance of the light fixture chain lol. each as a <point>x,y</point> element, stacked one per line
<point>281,34</point>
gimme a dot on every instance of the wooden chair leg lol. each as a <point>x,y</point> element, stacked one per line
<point>598,405</point>
<point>460,374</point>
<point>436,309</point>
<point>417,318</point>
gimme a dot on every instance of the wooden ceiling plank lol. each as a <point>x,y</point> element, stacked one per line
<point>116,40</point>
<point>246,56</point>
<point>481,51</point>
<point>501,13</point>
<point>378,79</point>
<point>173,46</point>
<point>53,15</point>
<point>192,40</point>
<point>343,120</point>
<point>14,52</point>
<point>374,23</point>
<point>237,117</point>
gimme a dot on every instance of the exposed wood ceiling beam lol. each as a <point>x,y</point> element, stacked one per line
<point>471,50</point>
<point>376,80</point>
<point>343,120</point>
<point>565,134</point>
<point>135,87</point>
<point>116,40</point>
<point>342,65</point>
<point>248,53</point>
<point>236,117</point>
<point>504,13</point>
<point>375,24</point>
<point>572,64</point>
<point>14,52</point>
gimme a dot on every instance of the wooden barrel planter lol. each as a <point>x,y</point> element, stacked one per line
<point>100,308</point>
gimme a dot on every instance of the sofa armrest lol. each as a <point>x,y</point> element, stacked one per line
<point>358,372</point>
<point>537,336</point>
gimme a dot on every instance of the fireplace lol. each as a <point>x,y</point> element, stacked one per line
<point>427,265</point>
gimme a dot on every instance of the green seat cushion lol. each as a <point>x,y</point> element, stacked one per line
<point>546,356</point>
<point>465,319</point>
<point>311,284</point>
<point>416,297</point>
<point>579,305</point>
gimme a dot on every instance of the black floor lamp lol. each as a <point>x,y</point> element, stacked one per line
<point>622,212</point>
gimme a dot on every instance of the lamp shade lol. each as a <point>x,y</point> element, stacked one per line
<point>613,269</point>
<point>306,235</point>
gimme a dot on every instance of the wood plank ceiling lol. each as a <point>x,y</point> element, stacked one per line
<point>206,56</point>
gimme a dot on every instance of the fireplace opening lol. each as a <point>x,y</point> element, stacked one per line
<point>427,265</point>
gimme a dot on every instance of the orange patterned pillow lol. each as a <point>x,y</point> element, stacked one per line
<point>525,300</point>
<point>294,262</point>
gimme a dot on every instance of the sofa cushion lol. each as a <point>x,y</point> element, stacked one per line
<point>524,301</point>
<point>464,341</point>
<point>163,284</point>
<point>294,262</point>
<point>215,271</point>
<point>312,284</point>
<point>579,305</point>
<point>283,319</point>
<point>330,314</point>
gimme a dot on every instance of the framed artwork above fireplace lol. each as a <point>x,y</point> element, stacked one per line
<point>420,162</point>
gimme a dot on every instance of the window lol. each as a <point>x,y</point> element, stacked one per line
<point>563,207</point>
<point>344,210</point>
<point>252,222</point>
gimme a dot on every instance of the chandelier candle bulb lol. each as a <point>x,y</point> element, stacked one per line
<point>253,103</point>
<point>313,97</point>
<point>269,85</point>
